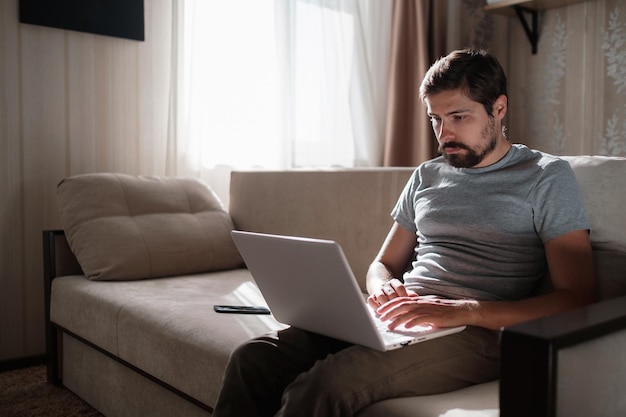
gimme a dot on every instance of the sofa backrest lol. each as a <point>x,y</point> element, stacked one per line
<point>352,206</point>
<point>602,181</point>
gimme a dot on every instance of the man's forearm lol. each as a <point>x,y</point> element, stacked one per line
<point>498,314</point>
<point>377,275</point>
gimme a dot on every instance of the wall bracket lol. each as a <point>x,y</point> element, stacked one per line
<point>532,30</point>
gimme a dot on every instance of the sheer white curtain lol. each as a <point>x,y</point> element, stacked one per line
<point>279,83</point>
<point>337,60</point>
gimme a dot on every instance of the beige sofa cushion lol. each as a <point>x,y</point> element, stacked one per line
<point>602,180</point>
<point>123,227</point>
<point>351,206</point>
<point>165,327</point>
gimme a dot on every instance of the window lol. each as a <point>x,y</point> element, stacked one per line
<point>281,84</point>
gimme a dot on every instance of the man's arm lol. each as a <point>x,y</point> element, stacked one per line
<point>391,262</point>
<point>570,264</point>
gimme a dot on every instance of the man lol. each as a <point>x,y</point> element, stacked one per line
<point>475,231</point>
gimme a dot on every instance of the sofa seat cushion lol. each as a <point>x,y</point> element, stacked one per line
<point>123,227</point>
<point>166,327</point>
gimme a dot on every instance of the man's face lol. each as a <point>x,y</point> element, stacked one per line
<point>466,134</point>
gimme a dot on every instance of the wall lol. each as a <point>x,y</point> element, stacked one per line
<point>70,103</point>
<point>573,92</point>
<point>570,97</point>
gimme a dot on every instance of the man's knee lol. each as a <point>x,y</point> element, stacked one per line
<point>322,389</point>
<point>252,355</point>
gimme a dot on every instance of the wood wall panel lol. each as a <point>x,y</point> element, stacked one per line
<point>70,103</point>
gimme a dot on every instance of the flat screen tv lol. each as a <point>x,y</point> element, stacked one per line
<point>119,18</point>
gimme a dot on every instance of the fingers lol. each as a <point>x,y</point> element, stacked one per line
<point>396,287</point>
<point>393,308</point>
<point>388,291</point>
<point>403,312</point>
<point>412,311</point>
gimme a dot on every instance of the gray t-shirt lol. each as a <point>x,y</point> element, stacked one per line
<point>481,231</point>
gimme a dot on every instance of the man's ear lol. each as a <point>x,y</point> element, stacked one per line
<point>500,107</point>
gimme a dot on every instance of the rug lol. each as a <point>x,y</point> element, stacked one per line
<point>26,393</point>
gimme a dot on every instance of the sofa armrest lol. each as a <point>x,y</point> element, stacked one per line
<point>568,360</point>
<point>58,257</point>
<point>58,260</point>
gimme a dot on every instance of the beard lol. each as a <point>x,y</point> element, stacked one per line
<point>476,155</point>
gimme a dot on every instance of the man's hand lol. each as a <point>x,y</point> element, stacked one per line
<point>410,311</point>
<point>391,289</point>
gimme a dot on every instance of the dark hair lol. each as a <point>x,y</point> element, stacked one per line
<point>477,73</point>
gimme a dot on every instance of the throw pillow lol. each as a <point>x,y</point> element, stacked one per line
<point>124,227</point>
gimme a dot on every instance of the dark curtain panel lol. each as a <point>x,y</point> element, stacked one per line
<point>418,39</point>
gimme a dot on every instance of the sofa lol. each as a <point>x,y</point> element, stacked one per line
<point>132,278</point>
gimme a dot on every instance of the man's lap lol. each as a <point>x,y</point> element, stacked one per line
<point>435,366</point>
<point>313,372</point>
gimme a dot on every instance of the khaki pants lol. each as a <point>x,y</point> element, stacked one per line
<point>298,373</point>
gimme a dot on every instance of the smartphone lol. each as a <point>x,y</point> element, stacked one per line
<point>241,309</point>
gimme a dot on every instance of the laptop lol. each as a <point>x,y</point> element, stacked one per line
<point>307,283</point>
